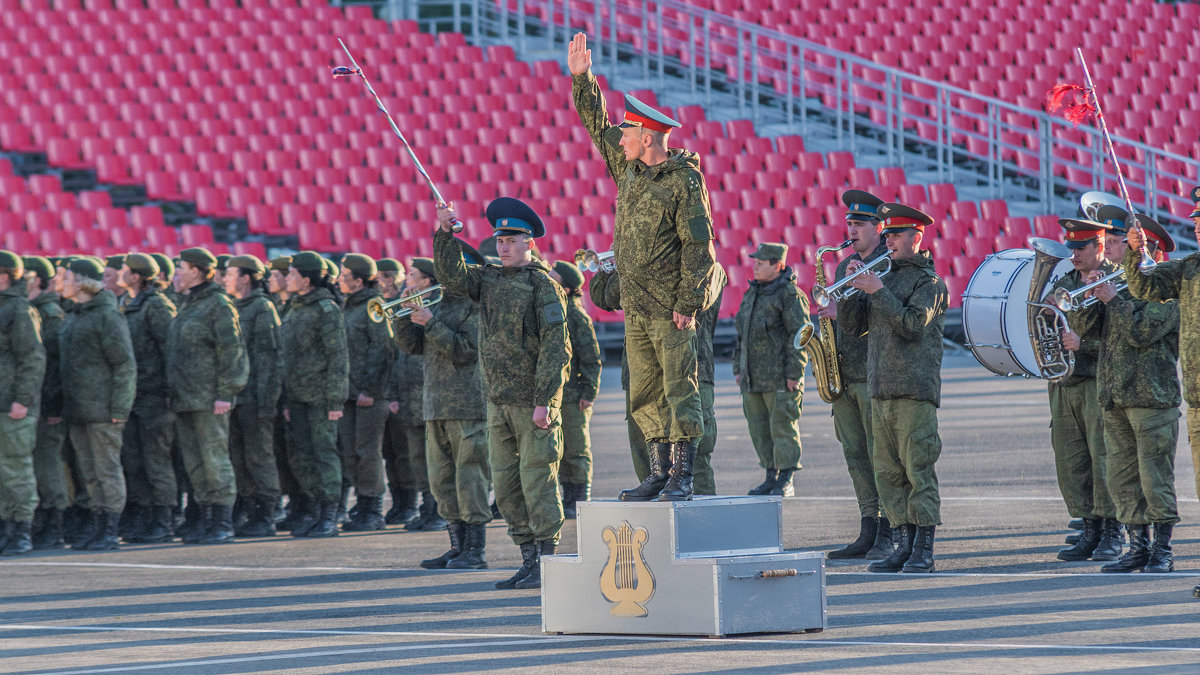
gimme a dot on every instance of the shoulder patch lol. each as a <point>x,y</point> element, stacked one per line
<point>553,313</point>
<point>328,306</point>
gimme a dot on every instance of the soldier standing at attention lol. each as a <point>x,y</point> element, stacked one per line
<point>314,368</point>
<point>360,431</point>
<point>396,466</point>
<point>48,452</point>
<point>663,249</point>
<point>903,314</point>
<point>446,337</point>
<point>768,369</point>
<point>150,431</point>
<point>525,354</point>
<point>278,293</point>
<point>252,420</point>
<point>99,380</point>
<point>852,410</point>
<point>1076,418</point>
<point>22,367</point>
<point>583,385</point>
<point>206,368</point>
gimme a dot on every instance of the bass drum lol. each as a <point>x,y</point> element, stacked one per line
<point>995,316</point>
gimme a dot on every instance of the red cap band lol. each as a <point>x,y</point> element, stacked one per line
<point>898,221</point>
<point>1083,235</point>
<point>634,118</point>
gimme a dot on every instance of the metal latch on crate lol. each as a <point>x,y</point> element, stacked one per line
<point>771,574</point>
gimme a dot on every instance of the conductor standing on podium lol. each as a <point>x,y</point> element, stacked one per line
<point>664,252</point>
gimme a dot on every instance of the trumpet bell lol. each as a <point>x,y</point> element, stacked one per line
<point>375,310</point>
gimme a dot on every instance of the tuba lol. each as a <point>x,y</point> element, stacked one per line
<point>1045,330</point>
<point>823,350</point>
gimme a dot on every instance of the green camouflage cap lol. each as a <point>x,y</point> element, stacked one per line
<point>115,261</point>
<point>198,256</point>
<point>771,251</point>
<point>165,265</point>
<point>143,264</point>
<point>39,266</point>
<point>281,263</point>
<point>87,267</point>
<point>387,265</point>
<point>248,262</point>
<point>12,261</point>
<point>363,266</point>
<point>572,278</point>
<point>425,266</point>
<point>308,261</point>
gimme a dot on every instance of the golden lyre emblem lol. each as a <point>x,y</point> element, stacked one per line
<point>625,579</point>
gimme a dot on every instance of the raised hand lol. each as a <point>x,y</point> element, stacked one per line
<point>579,57</point>
<point>446,217</point>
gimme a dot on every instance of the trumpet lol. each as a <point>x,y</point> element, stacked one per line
<point>823,295</point>
<point>379,311</point>
<point>591,261</point>
<point>1069,301</point>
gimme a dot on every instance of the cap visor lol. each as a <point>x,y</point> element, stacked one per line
<point>1078,244</point>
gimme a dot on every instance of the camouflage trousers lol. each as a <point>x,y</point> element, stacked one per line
<point>852,425</point>
<point>252,452</point>
<point>48,467</point>
<point>313,452</point>
<point>1077,436</point>
<point>703,481</point>
<point>18,487</point>
<point>360,437</point>
<point>907,446</point>
<point>98,453</point>
<point>774,421</point>
<point>576,464</point>
<point>1193,425</point>
<point>414,440</point>
<point>146,459</point>
<point>524,462</point>
<point>664,390</point>
<point>288,484</point>
<point>204,447</point>
<point>76,485</point>
<point>396,464</point>
<point>459,475</point>
<point>1141,463</point>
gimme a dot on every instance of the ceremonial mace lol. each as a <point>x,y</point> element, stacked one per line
<point>352,70</point>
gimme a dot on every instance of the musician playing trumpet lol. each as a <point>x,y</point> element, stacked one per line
<point>903,315</point>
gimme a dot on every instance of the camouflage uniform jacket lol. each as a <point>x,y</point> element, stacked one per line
<point>904,320</point>
<point>852,349</point>
<point>206,360</point>
<point>1088,323</point>
<point>259,325</point>
<point>523,347</point>
<point>1138,354</point>
<point>767,322</point>
<point>314,362</point>
<point>406,385</point>
<point>584,380</point>
<point>96,359</point>
<point>663,238</point>
<point>52,315</point>
<point>149,317</point>
<point>371,348</point>
<point>22,356</point>
<point>449,347</point>
<point>1175,279</point>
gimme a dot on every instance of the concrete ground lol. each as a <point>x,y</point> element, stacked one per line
<point>360,603</point>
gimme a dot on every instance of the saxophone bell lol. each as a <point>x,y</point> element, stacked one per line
<point>802,337</point>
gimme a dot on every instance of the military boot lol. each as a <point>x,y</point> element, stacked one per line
<point>496,511</point>
<point>783,484</point>
<point>109,528</point>
<point>1138,554</point>
<point>343,516</point>
<point>583,493</point>
<point>6,528</point>
<point>866,539</point>
<point>568,501</point>
<point>679,485</point>
<point>1088,540</point>
<point>404,507</point>
<point>297,506</point>
<point>455,529</point>
<point>243,511</point>
<point>884,541</point>
<point>158,526</point>
<point>472,556</point>
<point>1111,536</point>
<point>921,560</point>
<point>20,538</point>
<point>51,534</point>
<point>765,487</point>
<point>87,529</point>
<point>434,522</point>
<point>262,519</point>
<point>660,466</point>
<point>534,578</point>
<point>1162,559</point>
<point>197,534</point>
<point>370,516</point>
<point>327,526</point>
<point>220,528</point>
<point>308,513</point>
<point>280,513</point>
<point>904,550</point>
<point>194,523</point>
<point>131,522</point>
<point>529,562</point>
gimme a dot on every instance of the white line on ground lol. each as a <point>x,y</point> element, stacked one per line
<point>1033,498</point>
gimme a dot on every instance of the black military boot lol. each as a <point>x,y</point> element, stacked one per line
<point>1162,559</point>
<point>456,530</point>
<point>866,539</point>
<point>434,522</point>
<point>1088,540</point>
<point>6,527</point>
<point>679,485</point>
<point>1138,554</point>
<point>472,556</point>
<point>583,493</point>
<point>87,529</point>
<point>660,466</point>
<point>307,515</point>
<point>197,534</point>
<point>529,562</point>
<point>280,513</point>
<point>262,519</point>
<point>107,536</point>
<point>370,516</point>
<point>1109,546</point>
<point>404,507</point>
<point>220,528</point>
<point>496,511</point>
<point>884,541</point>
<point>243,511</point>
<point>131,522</point>
<point>327,526</point>
<point>418,524</point>
<point>921,560</point>
<point>194,523</point>
<point>568,501</point>
<point>783,484</point>
<point>51,533</point>
<point>297,506</point>
<point>765,487</point>
<point>904,548</point>
<point>343,516</point>
<point>534,578</point>
<point>20,538</point>
<point>158,526</point>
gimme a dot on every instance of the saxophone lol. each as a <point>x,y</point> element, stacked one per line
<point>823,350</point>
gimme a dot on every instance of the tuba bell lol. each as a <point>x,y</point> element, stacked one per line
<point>1047,322</point>
<point>1090,203</point>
